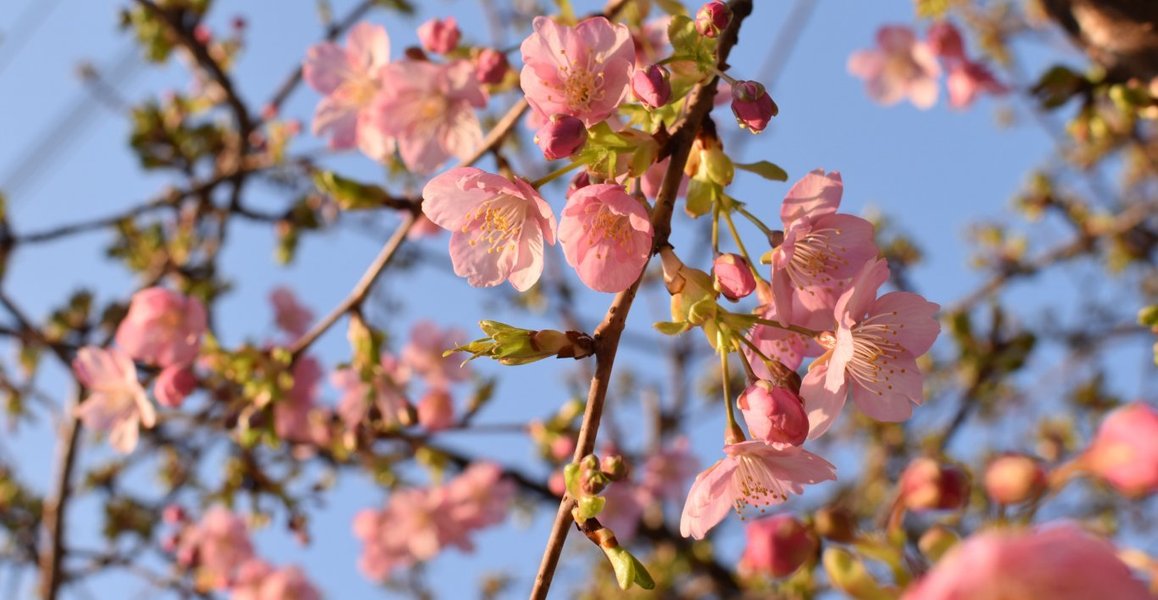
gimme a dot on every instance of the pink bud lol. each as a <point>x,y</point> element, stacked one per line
<point>269,112</point>
<point>173,514</point>
<point>173,384</point>
<point>778,546</point>
<point>436,410</point>
<point>1014,478</point>
<point>439,36</point>
<point>734,277</point>
<point>238,23</point>
<point>581,180</point>
<point>752,105</point>
<point>202,34</point>
<point>774,414</point>
<point>562,136</point>
<point>1124,452</point>
<point>927,485</point>
<point>712,18</point>
<point>651,86</point>
<point>945,41</point>
<point>491,66</point>
<point>557,483</point>
<point>562,447</point>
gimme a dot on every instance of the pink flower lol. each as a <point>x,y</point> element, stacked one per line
<point>116,402</point>
<point>292,413</point>
<point>928,485</point>
<point>217,545</point>
<point>821,250</point>
<point>291,316</point>
<point>385,392</point>
<point>439,35</point>
<point>174,384</point>
<point>257,580</point>
<point>873,353</point>
<point>752,474</point>
<point>773,414</point>
<point>491,66</point>
<point>626,503</point>
<point>1124,452</point>
<point>666,472</point>
<point>899,67</point>
<point>423,354</point>
<point>777,545</point>
<point>733,276</point>
<point>350,79</point>
<point>969,80</point>
<point>481,496</point>
<point>582,71</point>
<point>606,236</point>
<point>945,42</point>
<point>1015,478</point>
<point>436,410</point>
<point>162,327</point>
<point>1059,562</point>
<point>429,109</point>
<point>498,226</point>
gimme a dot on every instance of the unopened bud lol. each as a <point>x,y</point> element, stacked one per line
<point>778,546</point>
<point>835,523</point>
<point>733,276</point>
<point>614,467</point>
<point>693,294</point>
<point>439,35</point>
<point>774,414</point>
<point>1014,478</point>
<point>514,346</point>
<point>581,180</point>
<point>945,41</point>
<point>491,66</point>
<point>436,410</point>
<point>927,485</point>
<point>173,514</point>
<point>752,105</point>
<point>562,136</point>
<point>712,18</point>
<point>651,86</point>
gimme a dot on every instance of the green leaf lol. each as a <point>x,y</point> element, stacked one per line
<point>765,169</point>
<point>1148,317</point>
<point>672,328</point>
<point>672,7</point>
<point>350,194</point>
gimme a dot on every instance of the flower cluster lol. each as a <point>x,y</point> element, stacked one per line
<point>903,67</point>
<point>418,523</point>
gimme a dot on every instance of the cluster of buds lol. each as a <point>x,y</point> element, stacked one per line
<point>511,345</point>
<point>587,479</point>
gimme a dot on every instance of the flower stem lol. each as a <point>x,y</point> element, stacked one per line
<point>755,221</point>
<point>557,173</point>
<point>793,328</point>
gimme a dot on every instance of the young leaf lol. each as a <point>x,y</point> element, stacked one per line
<point>765,169</point>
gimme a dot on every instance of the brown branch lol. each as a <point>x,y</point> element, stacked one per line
<point>56,505</point>
<point>608,332</point>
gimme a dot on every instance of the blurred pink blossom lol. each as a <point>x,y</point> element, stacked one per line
<point>116,402</point>
<point>1124,452</point>
<point>162,327</point>
<point>291,316</point>
<point>777,546</point>
<point>173,385</point>
<point>386,392</point>
<point>899,67</point>
<point>350,79</point>
<point>439,35</point>
<point>216,546</point>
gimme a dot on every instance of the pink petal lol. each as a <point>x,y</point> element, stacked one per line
<point>912,316</point>
<point>708,500</point>
<point>325,67</point>
<point>448,197</point>
<point>823,406</point>
<point>854,303</point>
<point>368,47</point>
<point>891,399</point>
<point>529,266</point>
<point>814,195</point>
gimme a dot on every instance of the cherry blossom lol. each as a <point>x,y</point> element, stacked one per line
<point>582,71</point>
<point>498,226</point>
<point>173,385</point>
<point>752,474</point>
<point>350,79</point>
<point>1124,452</point>
<point>116,402</point>
<point>777,545</point>
<point>216,546</point>
<point>290,315</point>
<point>385,391</point>
<point>429,108</point>
<point>899,67</point>
<point>606,236</point>
<point>1059,562</point>
<point>873,353</point>
<point>162,327</point>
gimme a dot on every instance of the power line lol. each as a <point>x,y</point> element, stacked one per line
<point>23,29</point>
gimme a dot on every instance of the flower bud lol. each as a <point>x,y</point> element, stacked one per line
<point>436,410</point>
<point>173,514</point>
<point>945,41</point>
<point>778,546</point>
<point>927,485</point>
<point>173,385</point>
<point>439,35</point>
<point>1014,478</point>
<point>692,292</point>
<point>733,276</point>
<point>651,86</point>
<point>712,18</point>
<point>514,346</point>
<point>752,105</point>
<point>716,166</point>
<point>1124,452</point>
<point>836,524</point>
<point>491,66</point>
<point>581,180</point>
<point>562,136</point>
<point>773,414</point>
<point>614,467</point>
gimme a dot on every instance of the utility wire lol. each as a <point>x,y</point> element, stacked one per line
<point>23,29</point>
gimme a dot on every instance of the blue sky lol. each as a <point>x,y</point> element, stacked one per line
<point>932,171</point>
